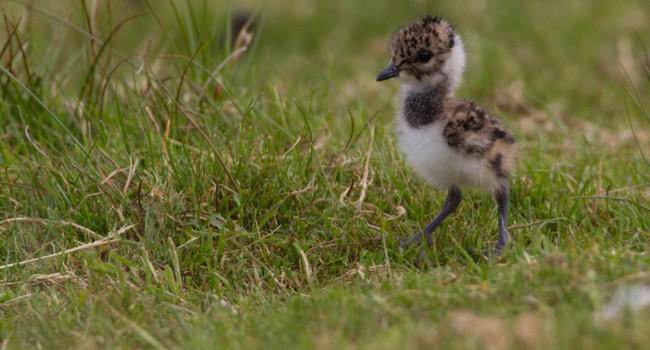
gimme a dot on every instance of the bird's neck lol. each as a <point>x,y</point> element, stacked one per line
<point>424,103</point>
<point>440,84</point>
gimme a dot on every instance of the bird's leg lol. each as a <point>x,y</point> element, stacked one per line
<point>454,196</point>
<point>502,197</point>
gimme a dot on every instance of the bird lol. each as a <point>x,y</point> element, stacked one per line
<point>452,143</point>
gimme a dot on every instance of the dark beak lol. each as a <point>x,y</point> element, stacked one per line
<point>389,72</point>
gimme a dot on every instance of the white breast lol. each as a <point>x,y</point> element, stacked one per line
<point>427,151</point>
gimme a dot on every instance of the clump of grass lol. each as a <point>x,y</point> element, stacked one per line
<point>639,105</point>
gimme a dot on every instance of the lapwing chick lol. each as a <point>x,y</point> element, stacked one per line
<point>451,143</point>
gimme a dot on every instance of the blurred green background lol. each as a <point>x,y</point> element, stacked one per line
<point>568,55</point>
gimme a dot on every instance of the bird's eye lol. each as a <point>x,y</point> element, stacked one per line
<point>424,56</point>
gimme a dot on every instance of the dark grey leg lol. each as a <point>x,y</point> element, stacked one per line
<point>454,197</point>
<point>502,196</point>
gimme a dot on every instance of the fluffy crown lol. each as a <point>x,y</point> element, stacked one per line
<point>426,53</point>
<point>430,33</point>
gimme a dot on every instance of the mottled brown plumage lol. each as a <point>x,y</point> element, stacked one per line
<point>474,132</point>
<point>432,34</point>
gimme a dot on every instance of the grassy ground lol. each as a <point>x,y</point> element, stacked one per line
<point>173,210</point>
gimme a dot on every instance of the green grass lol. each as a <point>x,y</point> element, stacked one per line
<point>246,220</point>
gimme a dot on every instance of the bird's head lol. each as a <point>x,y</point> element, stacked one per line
<point>426,53</point>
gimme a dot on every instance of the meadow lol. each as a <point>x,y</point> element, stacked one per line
<point>168,184</point>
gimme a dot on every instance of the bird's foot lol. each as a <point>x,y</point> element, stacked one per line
<point>404,242</point>
<point>494,252</point>
<point>414,240</point>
